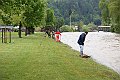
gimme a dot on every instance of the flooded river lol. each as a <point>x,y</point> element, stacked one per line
<point>103,47</point>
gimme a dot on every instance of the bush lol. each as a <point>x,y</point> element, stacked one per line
<point>85,29</point>
<point>66,29</point>
<point>92,27</point>
<point>37,29</point>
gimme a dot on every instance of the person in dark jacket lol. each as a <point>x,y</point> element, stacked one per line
<point>81,42</point>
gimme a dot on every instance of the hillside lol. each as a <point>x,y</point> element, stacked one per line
<point>85,10</point>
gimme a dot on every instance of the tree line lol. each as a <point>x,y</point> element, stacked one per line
<point>52,14</point>
<point>81,10</point>
<point>28,13</point>
<point>110,12</point>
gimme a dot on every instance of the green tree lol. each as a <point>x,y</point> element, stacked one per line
<point>85,28</point>
<point>91,26</point>
<point>6,11</point>
<point>12,12</point>
<point>114,8</point>
<point>23,12</point>
<point>103,5</point>
<point>50,18</point>
<point>59,22</point>
<point>80,26</point>
<point>1,21</point>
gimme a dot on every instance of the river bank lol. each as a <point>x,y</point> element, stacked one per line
<point>103,47</point>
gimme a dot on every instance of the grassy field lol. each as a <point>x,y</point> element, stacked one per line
<point>36,57</point>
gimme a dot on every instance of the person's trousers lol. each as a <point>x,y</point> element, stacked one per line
<point>81,49</point>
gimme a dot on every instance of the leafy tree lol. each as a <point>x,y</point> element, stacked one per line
<point>114,9</point>
<point>50,18</point>
<point>85,28</point>
<point>80,25</point>
<point>6,11</point>
<point>103,5</point>
<point>59,22</point>
<point>23,12</point>
<point>34,14</point>
<point>91,26</point>
<point>11,8</point>
<point>6,19</point>
<point>1,21</point>
<point>111,13</point>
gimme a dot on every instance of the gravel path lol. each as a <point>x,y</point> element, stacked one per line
<point>103,47</point>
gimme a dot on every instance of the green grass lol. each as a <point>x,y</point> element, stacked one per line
<point>36,57</point>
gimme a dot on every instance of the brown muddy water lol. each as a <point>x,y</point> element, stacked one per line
<point>103,47</point>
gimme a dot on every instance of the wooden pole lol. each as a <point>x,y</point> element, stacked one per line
<point>2,35</point>
<point>5,35</point>
<point>10,35</point>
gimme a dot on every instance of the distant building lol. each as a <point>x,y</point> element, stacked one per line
<point>104,28</point>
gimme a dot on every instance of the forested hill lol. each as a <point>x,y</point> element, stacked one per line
<point>85,10</point>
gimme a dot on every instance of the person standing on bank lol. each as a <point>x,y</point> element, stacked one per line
<point>81,42</point>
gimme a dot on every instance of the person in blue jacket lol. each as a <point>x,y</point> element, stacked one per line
<point>81,42</point>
